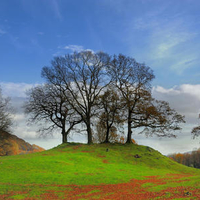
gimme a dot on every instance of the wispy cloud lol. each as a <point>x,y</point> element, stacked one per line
<point>56,9</point>
<point>169,35</point>
<point>169,40</point>
<point>183,63</point>
<point>73,48</point>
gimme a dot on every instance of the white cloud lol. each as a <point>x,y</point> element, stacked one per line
<point>73,48</point>
<point>184,98</point>
<point>183,143</point>
<point>18,117</point>
<point>191,89</point>
<point>163,90</point>
<point>186,89</point>
<point>15,89</point>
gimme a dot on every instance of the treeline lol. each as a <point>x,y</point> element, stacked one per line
<point>191,159</point>
<point>101,94</point>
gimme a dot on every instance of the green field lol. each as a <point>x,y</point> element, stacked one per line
<point>99,171</point>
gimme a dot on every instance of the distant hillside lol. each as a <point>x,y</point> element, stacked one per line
<point>190,159</point>
<point>12,145</point>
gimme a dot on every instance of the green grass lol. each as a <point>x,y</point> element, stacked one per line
<point>80,164</point>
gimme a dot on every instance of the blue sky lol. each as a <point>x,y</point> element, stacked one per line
<point>163,34</point>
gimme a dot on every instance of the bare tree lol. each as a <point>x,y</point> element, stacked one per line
<point>83,75</point>
<point>5,113</point>
<point>133,80</point>
<point>47,104</point>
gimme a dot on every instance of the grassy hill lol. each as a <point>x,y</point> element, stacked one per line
<point>99,171</point>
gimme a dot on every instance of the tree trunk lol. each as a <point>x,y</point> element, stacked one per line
<point>64,136</point>
<point>107,135</point>
<point>89,132</point>
<point>129,128</point>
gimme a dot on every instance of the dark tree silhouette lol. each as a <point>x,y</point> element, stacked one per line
<point>47,105</point>
<point>133,81</point>
<point>84,76</point>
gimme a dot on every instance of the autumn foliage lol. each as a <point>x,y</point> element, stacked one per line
<point>191,159</point>
<point>123,140</point>
<point>12,145</point>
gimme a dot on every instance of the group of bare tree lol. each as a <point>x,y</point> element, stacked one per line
<point>100,93</point>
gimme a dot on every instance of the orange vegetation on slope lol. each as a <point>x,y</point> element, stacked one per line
<point>12,145</point>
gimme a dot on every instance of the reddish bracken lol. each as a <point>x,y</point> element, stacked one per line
<point>105,161</point>
<point>135,189</point>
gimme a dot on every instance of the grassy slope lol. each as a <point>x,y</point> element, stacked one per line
<point>86,165</point>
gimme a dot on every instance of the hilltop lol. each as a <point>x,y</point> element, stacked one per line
<point>98,171</point>
<point>12,145</point>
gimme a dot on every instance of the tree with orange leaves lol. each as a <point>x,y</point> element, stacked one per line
<point>111,115</point>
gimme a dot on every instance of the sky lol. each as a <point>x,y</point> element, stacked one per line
<point>165,35</point>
